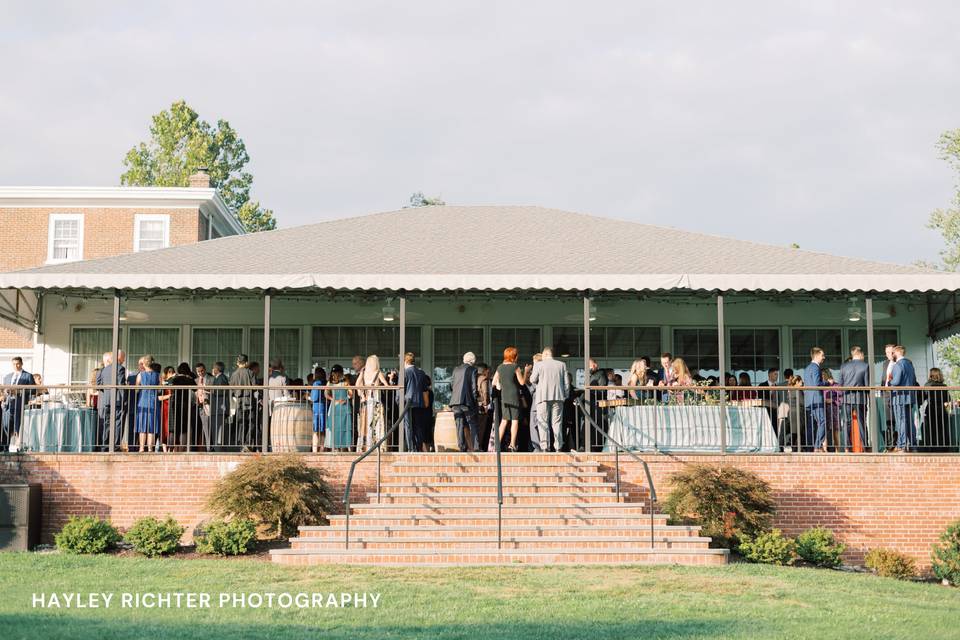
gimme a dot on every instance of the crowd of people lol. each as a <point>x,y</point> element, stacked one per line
<point>529,406</point>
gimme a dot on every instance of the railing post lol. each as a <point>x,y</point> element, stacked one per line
<point>114,393</point>
<point>871,404</point>
<point>265,368</point>
<point>721,348</point>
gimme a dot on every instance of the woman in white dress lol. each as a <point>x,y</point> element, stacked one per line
<point>371,408</point>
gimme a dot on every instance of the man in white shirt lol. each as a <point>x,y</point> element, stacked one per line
<point>886,377</point>
<point>277,381</point>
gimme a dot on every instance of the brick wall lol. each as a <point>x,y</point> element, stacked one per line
<point>106,232</point>
<point>897,501</point>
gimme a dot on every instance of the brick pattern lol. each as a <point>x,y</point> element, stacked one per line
<point>897,501</point>
<point>106,232</point>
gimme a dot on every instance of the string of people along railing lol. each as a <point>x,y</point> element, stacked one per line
<point>347,418</point>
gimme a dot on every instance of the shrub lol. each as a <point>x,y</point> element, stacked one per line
<point>281,492</point>
<point>770,547</point>
<point>818,547</point>
<point>153,537</point>
<point>728,503</point>
<point>87,534</point>
<point>890,564</point>
<point>945,560</point>
<point>230,538</point>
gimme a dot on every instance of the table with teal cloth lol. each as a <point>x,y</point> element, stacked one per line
<point>691,428</point>
<point>58,428</point>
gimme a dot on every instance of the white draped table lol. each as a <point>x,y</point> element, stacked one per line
<point>691,428</point>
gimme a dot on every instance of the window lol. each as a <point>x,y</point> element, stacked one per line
<point>525,339</point>
<point>827,339</point>
<point>151,231</point>
<point>754,351</point>
<point>215,344</point>
<point>161,343</point>
<point>449,345</point>
<point>284,344</point>
<point>65,242</point>
<point>699,348</point>
<point>86,352</point>
<point>881,338</point>
<point>624,343</point>
<point>342,343</point>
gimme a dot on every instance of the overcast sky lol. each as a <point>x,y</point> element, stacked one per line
<point>807,122</point>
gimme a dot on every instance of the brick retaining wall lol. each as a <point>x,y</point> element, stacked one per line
<point>897,501</point>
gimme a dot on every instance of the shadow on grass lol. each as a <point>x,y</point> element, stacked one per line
<point>331,626</point>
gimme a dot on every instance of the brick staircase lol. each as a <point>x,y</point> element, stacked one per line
<point>441,509</point>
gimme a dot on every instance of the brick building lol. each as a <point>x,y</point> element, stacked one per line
<point>51,225</point>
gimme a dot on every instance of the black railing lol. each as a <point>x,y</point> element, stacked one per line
<point>584,408</point>
<point>353,466</point>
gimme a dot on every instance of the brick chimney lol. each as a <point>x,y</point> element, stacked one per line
<point>200,179</point>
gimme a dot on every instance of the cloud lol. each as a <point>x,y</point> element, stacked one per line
<point>806,122</point>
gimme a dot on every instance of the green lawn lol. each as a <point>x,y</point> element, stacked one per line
<point>737,601</point>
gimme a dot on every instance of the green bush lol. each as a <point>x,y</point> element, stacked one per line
<point>890,564</point>
<point>945,560</point>
<point>87,534</point>
<point>230,538</point>
<point>280,492</point>
<point>770,547</point>
<point>728,503</point>
<point>153,537</point>
<point>818,547</point>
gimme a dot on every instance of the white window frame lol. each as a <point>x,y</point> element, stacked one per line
<point>150,217</point>
<point>51,227</point>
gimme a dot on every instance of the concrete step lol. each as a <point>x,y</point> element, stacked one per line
<point>489,507</point>
<point>365,541</point>
<point>489,520</point>
<point>514,465</point>
<point>482,556</point>
<point>428,487</point>
<point>336,531</point>
<point>487,497</point>
<point>485,476</point>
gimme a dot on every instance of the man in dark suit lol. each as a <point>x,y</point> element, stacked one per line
<point>904,375</point>
<point>414,387</point>
<point>813,401</point>
<point>14,400</point>
<point>855,372</point>
<point>771,399</point>
<point>112,400</point>
<point>463,401</point>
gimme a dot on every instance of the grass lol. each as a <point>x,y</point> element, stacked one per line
<point>736,601</point>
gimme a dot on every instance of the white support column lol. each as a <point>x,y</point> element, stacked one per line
<point>401,374</point>
<point>722,349</point>
<point>265,368</point>
<point>587,395</point>
<point>872,379</point>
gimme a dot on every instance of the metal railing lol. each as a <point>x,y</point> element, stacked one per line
<point>730,419</point>
<point>497,447</point>
<point>353,466</point>
<point>182,416</point>
<point>584,408</point>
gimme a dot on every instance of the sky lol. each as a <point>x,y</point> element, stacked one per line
<point>790,122</point>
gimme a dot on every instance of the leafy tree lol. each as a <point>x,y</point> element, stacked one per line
<point>947,222</point>
<point>417,199</point>
<point>180,143</point>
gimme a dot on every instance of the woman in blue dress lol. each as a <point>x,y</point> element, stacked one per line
<point>148,415</point>
<point>339,407</point>
<point>319,401</point>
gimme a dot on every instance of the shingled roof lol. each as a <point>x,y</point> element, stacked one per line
<point>482,248</point>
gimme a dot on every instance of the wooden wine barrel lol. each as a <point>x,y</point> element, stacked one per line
<point>445,432</point>
<point>291,428</point>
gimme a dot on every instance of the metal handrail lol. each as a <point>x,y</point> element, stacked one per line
<point>376,446</point>
<point>581,404</point>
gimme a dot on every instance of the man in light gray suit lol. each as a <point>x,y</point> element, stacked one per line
<point>855,372</point>
<point>550,376</point>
